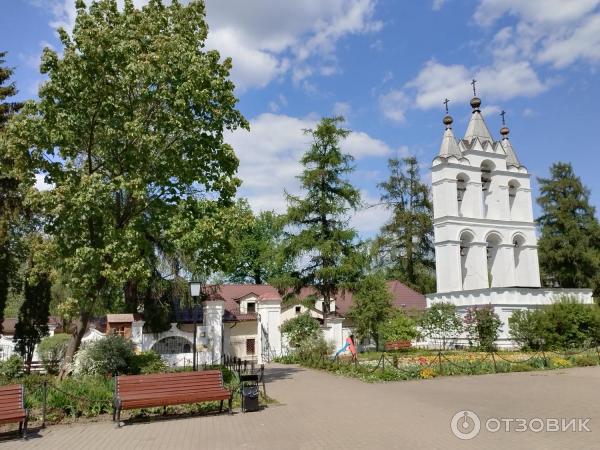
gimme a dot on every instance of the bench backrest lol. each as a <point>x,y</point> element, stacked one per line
<point>11,397</point>
<point>164,383</point>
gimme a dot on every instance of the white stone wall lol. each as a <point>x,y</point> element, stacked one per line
<point>506,301</point>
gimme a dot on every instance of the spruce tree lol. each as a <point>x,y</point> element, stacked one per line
<point>319,237</point>
<point>7,109</point>
<point>569,244</point>
<point>404,246</point>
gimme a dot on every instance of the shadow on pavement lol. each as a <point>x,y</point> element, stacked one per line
<point>280,372</point>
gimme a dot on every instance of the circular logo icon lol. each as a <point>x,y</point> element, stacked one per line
<point>465,425</point>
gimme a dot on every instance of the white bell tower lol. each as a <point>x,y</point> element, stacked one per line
<point>485,241</point>
<point>483,218</point>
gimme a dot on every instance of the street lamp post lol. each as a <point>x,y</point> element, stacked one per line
<point>195,293</point>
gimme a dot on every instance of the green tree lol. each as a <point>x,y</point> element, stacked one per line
<point>10,190</point>
<point>256,256</point>
<point>483,326</point>
<point>130,128</point>
<point>371,306</point>
<point>398,327</point>
<point>569,244</point>
<point>405,243</point>
<point>320,239</point>
<point>7,109</point>
<point>441,324</point>
<point>32,323</point>
<point>300,329</point>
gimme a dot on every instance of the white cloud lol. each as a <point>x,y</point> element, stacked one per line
<point>437,4</point>
<point>502,81</point>
<point>268,38</point>
<point>270,156</point>
<point>583,43</point>
<point>369,219</point>
<point>555,32</point>
<point>40,183</point>
<point>342,109</point>
<point>394,105</point>
<point>551,12</point>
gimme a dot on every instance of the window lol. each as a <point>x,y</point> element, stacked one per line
<point>250,307</point>
<point>119,330</point>
<point>298,309</point>
<point>250,346</point>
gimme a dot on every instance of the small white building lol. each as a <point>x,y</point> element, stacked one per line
<point>485,235</point>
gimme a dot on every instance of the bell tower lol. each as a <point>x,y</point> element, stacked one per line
<point>483,217</point>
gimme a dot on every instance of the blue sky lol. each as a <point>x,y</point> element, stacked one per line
<point>387,66</point>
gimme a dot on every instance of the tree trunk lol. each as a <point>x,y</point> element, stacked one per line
<point>74,344</point>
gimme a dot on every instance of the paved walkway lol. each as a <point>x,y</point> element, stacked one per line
<point>322,411</point>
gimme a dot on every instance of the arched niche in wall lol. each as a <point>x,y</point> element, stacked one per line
<point>461,189</point>
<point>513,197</point>
<point>467,262</point>
<point>518,242</point>
<point>486,169</point>
<point>492,243</point>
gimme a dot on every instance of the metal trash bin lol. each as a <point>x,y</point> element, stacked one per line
<point>250,398</point>
<point>249,392</point>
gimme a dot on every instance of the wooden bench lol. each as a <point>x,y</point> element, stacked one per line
<point>12,407</point>
<point>162,389</point>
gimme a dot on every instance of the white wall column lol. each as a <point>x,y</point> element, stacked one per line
<point>447,258</point>
<point>213,321</point>
<point>336,335</point>
<point>137,335</point>
<point>476,276</point>
<point>269,334</point>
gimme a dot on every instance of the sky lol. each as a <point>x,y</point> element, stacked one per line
<point>386,66</point>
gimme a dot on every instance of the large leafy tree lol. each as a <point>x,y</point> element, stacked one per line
<point>371,306</point>
<point>129,127</point>
<point>569,244</point>
<point>11,190</point>
<point>405,243</point>
<point>255,256</point>
<point>319,237</point>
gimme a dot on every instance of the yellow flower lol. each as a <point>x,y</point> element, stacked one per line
<point>427,373</point>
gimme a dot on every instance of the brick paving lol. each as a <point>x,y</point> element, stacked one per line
<point>322,411</point>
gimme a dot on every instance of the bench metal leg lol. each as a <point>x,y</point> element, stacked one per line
<point>118,417</point>
<point>230,410</point>
<point>221,407</point>
<point>24,425</point>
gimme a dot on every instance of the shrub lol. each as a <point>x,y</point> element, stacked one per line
<point>441,323</point>
<point>483,326</point>
<point>11,367</point>
<point>313,349</point>
<point>106,356</point>
<point>399,327</point>
<point>148,362</point>
<point>570,324</point>
<point>51,351</point>
<point>300,329</point>
<point>584,360</point>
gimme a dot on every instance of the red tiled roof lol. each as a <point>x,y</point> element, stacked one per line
<point>403,297</point>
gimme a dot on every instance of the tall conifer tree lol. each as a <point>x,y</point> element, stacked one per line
<point>320,237</point>
<point>569,244</point>
<point>405,243</point>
